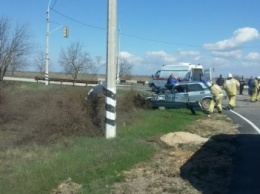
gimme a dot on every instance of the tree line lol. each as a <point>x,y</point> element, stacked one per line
<point>16,48</point>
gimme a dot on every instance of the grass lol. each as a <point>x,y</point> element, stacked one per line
<point>156,122</point>
<point>91,162</point>
<point>96,163</point>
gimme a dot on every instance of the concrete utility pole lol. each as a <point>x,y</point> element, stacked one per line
<point>118,59</point>
<point>110,120</point>
<point>47,45</point>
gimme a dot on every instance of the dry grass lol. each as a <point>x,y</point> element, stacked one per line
<point>45,115</point>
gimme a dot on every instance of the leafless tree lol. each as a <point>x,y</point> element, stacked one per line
<point>75,60</point>
<point>39,62</point>
<point>14,46</point>
<point>17,63</point>
<point>125,68</point>
<point>97,66</point>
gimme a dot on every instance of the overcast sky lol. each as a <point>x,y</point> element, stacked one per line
<point>223,34</point>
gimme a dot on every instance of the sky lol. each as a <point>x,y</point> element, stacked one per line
<point>223,34</point>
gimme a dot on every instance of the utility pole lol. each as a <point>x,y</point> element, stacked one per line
<point>110,120</point>
<point>47,45</point>
<point>66,35</point>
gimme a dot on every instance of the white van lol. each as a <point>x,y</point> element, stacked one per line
<point>183,71</point>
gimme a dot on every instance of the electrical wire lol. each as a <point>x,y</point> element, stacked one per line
<point>160,41</point>
<point>128,35</point>
<point>54,4</point>
<point>132,36</point>
<point>74,20</point>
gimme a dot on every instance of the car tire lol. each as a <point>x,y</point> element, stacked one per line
<point>205,103</point>
<point>154,89</point>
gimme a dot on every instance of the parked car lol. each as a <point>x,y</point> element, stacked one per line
<point>194,92</point>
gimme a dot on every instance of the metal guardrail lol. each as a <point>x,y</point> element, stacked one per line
<point>86,81</point>
<point>69,81</point>
<point>62,81</point>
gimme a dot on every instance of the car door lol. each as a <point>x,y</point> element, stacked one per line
<point>195,92</point>
<point>180,93</point>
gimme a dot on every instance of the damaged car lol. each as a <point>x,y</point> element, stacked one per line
<point>195,93</point>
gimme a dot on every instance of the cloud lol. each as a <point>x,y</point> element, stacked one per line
<point>130,58</point>
<point>227,54</point>
<point>189,53</point>
<point>239,37</point>
<point>220,61</point>
<point>159,57</point>
<point>198,58</point>
<point>254,56</point>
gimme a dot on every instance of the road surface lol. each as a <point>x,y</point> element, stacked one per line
<point>246,173</point>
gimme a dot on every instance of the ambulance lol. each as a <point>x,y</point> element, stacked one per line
<point>182,71</point>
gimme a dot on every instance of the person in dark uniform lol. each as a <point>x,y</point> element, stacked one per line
<point>220,81</point>
<point>242,82</point>
<point>171,82</point>
<point>203,79</point>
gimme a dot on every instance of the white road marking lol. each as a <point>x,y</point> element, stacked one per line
<point>248,121</point>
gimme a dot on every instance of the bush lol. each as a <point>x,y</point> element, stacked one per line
<point>43,115</point>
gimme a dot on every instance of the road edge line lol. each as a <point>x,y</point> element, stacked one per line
<point>248,121</point>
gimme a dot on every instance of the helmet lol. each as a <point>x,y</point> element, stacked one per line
<point>229,75</point>
<point>208,84</point>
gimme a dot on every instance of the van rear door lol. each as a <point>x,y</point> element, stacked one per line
<point>208,74</point>
<point>196,74</point>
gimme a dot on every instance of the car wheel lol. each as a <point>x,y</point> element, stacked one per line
<point>154,89</point>
<point>205,103</point>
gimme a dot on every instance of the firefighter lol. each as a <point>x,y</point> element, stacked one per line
<point>217,98</point>
<point>258,93</point>
<point>255,90</point>
<point>231,85</point>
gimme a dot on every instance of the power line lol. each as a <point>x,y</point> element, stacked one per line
<point>128,35</point>
<point>133,36</point>
<point>54,4</point>
<point>74,20</point>
<point>161,41</point>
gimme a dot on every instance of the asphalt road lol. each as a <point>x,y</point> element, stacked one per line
<point>246,174</point>
<point>248,110</point>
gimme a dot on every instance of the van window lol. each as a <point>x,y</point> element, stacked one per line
<point>187,76</point>
<point>157,74</point>
<point>167,73</point>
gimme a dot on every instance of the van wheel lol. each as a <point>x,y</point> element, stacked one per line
<point>205,103</point>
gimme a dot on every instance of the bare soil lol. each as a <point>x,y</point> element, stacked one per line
<point>198,160</point>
